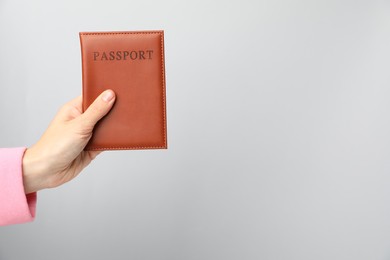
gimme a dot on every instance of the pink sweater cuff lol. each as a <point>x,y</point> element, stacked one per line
<point>15,206</point>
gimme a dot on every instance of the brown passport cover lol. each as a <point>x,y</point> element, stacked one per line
<point>132,65</point>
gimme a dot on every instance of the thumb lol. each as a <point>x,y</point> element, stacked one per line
<point>99,108</point>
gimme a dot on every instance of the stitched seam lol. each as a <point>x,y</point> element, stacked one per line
<point>162,85</point>
<point>124,147</point>
<point>163,89</point>
<point>111,33</point>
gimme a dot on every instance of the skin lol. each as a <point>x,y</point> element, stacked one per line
<point>58,156</point>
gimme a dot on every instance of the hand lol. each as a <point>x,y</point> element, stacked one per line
<point>58,156</point>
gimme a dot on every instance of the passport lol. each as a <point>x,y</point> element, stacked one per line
<point>132,64</point>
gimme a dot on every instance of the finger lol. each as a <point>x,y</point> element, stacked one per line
<point>70,110</point>
<point>87,157</point>
<point>77,103</point>
<point>94,154</point>
<point>99,108</point>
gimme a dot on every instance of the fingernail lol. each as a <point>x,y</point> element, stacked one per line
<point>108,95</point>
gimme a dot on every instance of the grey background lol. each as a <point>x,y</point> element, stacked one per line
<point>278,132</point>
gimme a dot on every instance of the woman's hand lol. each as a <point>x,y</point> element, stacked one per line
<point>58,156</point>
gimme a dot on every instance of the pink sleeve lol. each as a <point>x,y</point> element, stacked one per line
<point>15,206</point>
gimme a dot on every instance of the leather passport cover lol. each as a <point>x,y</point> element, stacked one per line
<point>132,65</point>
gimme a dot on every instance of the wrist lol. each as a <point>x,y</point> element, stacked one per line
<point>33,167</point>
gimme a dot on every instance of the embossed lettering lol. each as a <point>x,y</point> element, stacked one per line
<point>141,55</point>
<point>123,55</point>
<point>126,54</point>
<point>118,55</point>
<point>133,55</point>
<point>95,55</point>
<point>104,56</point>
<point>150,52</point>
